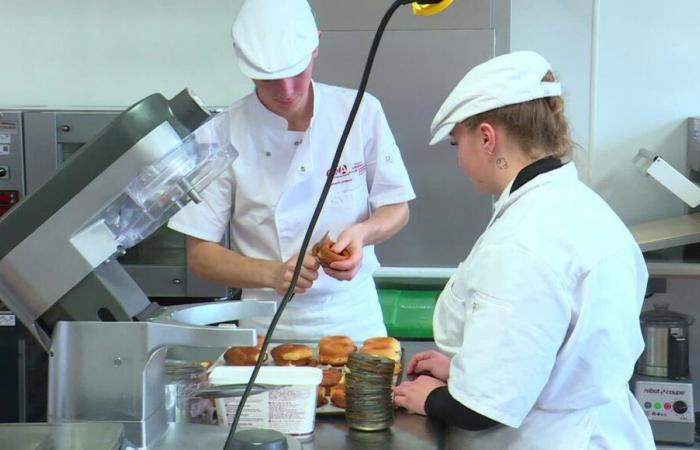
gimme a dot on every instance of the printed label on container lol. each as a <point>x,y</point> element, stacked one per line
<point>288,410</point>
<point>5,138</point>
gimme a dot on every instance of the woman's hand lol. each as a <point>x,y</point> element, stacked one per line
<point>430,362</point>
<point>282,274</point>
<point>412,395</point>
<point>351,239</point>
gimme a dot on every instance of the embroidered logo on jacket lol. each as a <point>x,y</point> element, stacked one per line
<point>345,174</point>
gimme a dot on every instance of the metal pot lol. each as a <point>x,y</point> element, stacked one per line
<point>666,336</point>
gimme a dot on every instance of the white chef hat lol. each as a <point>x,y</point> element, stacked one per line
<point>274,38</point>
<point>501,81</point>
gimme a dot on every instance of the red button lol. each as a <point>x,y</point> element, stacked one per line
<point>668,406</point>
<point>8,197</point>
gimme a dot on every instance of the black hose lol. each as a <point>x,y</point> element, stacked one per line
<point>317,212</point>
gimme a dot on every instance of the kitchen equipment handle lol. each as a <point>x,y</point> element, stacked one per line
<point>678,357</point>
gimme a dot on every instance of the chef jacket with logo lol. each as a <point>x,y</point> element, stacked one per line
<point>542,320</point>
<point>270,191</point>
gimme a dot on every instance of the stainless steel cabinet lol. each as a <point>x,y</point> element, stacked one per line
<point>419,61</point>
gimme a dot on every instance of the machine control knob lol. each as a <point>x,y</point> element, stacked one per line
<point>3,172</point>
<point>177,281</point>
<point>65,128</point>
<point>680,407</point>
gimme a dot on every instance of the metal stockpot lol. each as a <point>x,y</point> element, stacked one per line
<point>666,337</point>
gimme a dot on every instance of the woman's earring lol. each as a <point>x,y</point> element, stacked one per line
<point>501,163</point>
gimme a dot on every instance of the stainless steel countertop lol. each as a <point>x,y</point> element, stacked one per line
<point>409,432</point>
<point>65,436</point>
<point>332,432</point>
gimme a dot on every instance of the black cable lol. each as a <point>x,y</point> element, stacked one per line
<point>317,212</point>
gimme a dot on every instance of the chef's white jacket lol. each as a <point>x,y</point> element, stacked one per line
<point>270,191</point>
<point>543,321</point>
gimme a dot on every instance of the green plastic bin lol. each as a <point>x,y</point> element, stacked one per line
<point>408,313</point>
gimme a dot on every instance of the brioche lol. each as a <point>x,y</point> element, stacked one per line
<point>387,352</point>
<point>322,251</point>
<point>338,396</point>
<point>383,341</point>
<point>331,376</point>
<point>321,397</point>
<point>334,350</point>
<point>292,355</point>
<point>244,356</point>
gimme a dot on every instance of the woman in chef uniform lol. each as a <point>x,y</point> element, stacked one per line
<point>539,326</point>
<point>286,133</point>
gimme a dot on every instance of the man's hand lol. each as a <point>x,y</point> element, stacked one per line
<point>430,362</point>
<point>412,394</point>
<point>282,274</point>
<point>351,239</point>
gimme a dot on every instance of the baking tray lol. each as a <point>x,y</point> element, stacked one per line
<point>328,408</point>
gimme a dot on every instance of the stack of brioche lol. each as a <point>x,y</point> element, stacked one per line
<point>332,356</point>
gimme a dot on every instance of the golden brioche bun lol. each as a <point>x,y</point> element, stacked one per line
<point>338,396</point>
<point>322,251</point>
<point>321,396</point>
<point>334,350</point>
<point>387,352</point>
<point>292,355</point>
<point>331,376</point>
<point>242,356</point>
<point>383,341</point>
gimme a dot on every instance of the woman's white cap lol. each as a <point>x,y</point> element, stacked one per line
<point>501,81</point>
<point>274,38</point>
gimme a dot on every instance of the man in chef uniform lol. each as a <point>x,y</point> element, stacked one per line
<point>539,326</point>
<point>286,133</point>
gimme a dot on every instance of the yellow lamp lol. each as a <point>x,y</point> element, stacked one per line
<point>429,9</point>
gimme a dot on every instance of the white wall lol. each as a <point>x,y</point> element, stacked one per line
<point>113,53</point>
<point>631,78</point>
<point>562,32</point>
<point>648,83</point>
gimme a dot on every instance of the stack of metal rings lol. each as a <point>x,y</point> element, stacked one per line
<point>370,404</point>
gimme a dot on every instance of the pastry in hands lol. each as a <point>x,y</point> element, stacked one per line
<point>334,350</point>
<point>244,356</point>
<point>292,355</point>
<point>322,251</point>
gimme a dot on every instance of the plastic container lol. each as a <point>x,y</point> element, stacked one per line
<point>290,410</point>
<point>408,314</point>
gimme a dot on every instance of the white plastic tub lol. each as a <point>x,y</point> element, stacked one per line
<point>289,410</point>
